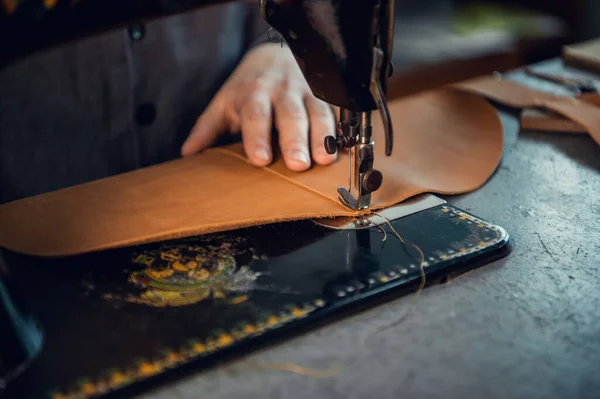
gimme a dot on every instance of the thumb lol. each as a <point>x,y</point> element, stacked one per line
<point>210,125</point>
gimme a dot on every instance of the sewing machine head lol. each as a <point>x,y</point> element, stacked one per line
<point>343,48</point>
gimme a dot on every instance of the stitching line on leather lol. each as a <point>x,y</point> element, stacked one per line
<point>233,154</point>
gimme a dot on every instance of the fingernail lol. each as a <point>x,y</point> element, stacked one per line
<point>299,156</point>
<point>262,154</point>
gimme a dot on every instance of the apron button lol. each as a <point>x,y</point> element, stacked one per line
<point>145,114</point>
<point>136,32</point>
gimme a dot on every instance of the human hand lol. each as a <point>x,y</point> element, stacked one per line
<point>268,87</point>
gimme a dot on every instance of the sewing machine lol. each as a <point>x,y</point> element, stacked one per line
<point>345,56</point>
<point>342,47</point>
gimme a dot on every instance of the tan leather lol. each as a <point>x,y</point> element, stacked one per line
<point>583,111</point>
<point>584,55</point>
<point>446,142</point>
<point>547,121</point>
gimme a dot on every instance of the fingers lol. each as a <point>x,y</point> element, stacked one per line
<point>212,123</point>
<point>291,120</point>
<point>295,119</point>
<point>249,100</point>
<point>256,125</point>
<point>322,124</point>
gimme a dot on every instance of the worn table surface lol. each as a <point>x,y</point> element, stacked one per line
<point>527,326</point>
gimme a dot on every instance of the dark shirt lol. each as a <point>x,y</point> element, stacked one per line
<point>119,101</point>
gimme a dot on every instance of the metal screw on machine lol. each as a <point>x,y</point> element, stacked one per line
<point>372,180</point>
<point>332,144</point>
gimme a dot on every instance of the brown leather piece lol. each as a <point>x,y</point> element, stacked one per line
<point>547,121</point>
<point>208,193</point>
<point>582,110</point>
<point>585,55</point>
<point>443,143</point>
<point>446,141</point>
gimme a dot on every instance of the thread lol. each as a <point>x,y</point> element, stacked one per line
<point>334,371</point>
<point>421,272</point>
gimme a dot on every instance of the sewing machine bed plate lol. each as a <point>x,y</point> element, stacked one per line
<point>119,320</point>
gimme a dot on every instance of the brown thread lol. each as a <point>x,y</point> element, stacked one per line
<point>422,255</point>
<point>333,371</point>
<point>421,271</point>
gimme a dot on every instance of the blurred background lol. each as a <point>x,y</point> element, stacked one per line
<point>442,41</point>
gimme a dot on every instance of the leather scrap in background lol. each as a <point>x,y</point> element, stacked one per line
<point>582,110</point>
<point>447,142</point>
<point>546,121</point>
<point>584,55</point>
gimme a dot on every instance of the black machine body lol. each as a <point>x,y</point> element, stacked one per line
<point>333,42</point>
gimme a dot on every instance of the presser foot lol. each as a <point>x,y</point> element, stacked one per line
<point>364,179</point>
<point>356,204</point>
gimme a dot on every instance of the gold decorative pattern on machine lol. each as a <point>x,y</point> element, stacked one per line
<point>477,240</point>
<point>188,274</point>
<point>142,369</point>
